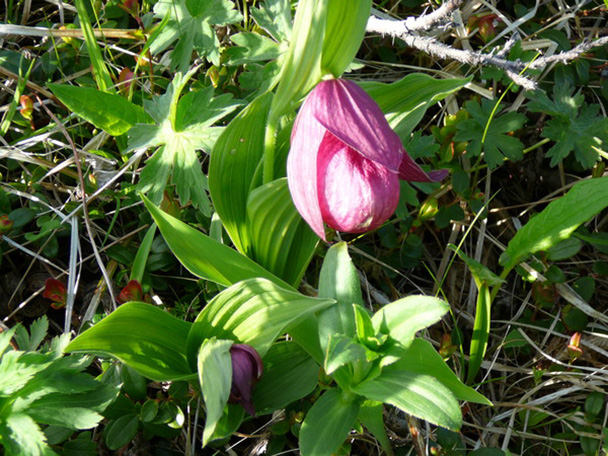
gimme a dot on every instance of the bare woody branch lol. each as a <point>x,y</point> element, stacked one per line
<point>409,28</point>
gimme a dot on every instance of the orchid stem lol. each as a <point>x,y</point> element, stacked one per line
<point>269,148</point>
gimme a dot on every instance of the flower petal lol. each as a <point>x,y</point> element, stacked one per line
<point>306,138</point>
<point>353,117</point>
<point>355,194</point>
<point>410,171</point>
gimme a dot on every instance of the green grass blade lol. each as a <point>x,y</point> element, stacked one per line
<point>481,331</point>
<point>100,70</point>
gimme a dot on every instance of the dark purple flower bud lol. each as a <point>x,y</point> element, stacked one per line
<point>246,370</point>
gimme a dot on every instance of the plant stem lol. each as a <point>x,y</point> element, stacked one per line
<point>536,146</point>
<point>269,148</point>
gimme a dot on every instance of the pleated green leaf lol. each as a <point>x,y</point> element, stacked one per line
<point>232,167</point>
<point>254,312</point>
<point>281,241</point>
<point>205,257</point>
<point>420,395</point>
<point>142,336</point>
<point>345,28</point>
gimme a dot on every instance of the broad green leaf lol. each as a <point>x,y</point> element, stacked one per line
<point>371,415</point>
<point>404,102</point>
<point>110,112</point>
<point>422,358</point>
<point>205,257</point>
<point>254,312</point>
<point>557,221</point>
<point>229,422</point>
<point>363,323</point>
<point>493,139</point>
<point>403,318</point>
<point>328,423</point>
<point>191,25</point>
<point>144,337</point>
<point>21,436</point>
<point>564,249</point>
<point>281,241</point>
<point>420,395</point>
<point>121,431</point>
<point>182,126</point>
<point>149,410</point>
<point>338,280</point>
<point>306,334</point>
<point>342,350</point>
<point>289,374</point>
<point>232,166</point>
<point>214,367</point>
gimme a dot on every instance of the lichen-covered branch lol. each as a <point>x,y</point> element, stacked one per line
<point>409,30</point>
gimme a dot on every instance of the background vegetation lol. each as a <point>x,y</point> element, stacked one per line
<point>70,210</point>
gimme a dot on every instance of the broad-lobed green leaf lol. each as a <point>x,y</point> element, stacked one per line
<point>274,16</point>
<point>575,126</point>
<point>491,134</point>
<point>254,312</point>
<point>251,47</point>
<point>144,337</point>
<point>182,126</point>
<point>21,436</point>
<point>328,423</point>
<point>191,25</point>
<point>557,221</point>
<point>75,411</point>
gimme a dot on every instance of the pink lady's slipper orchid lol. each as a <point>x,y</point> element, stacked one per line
<point>345,161</point>
<point>246,370</point>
